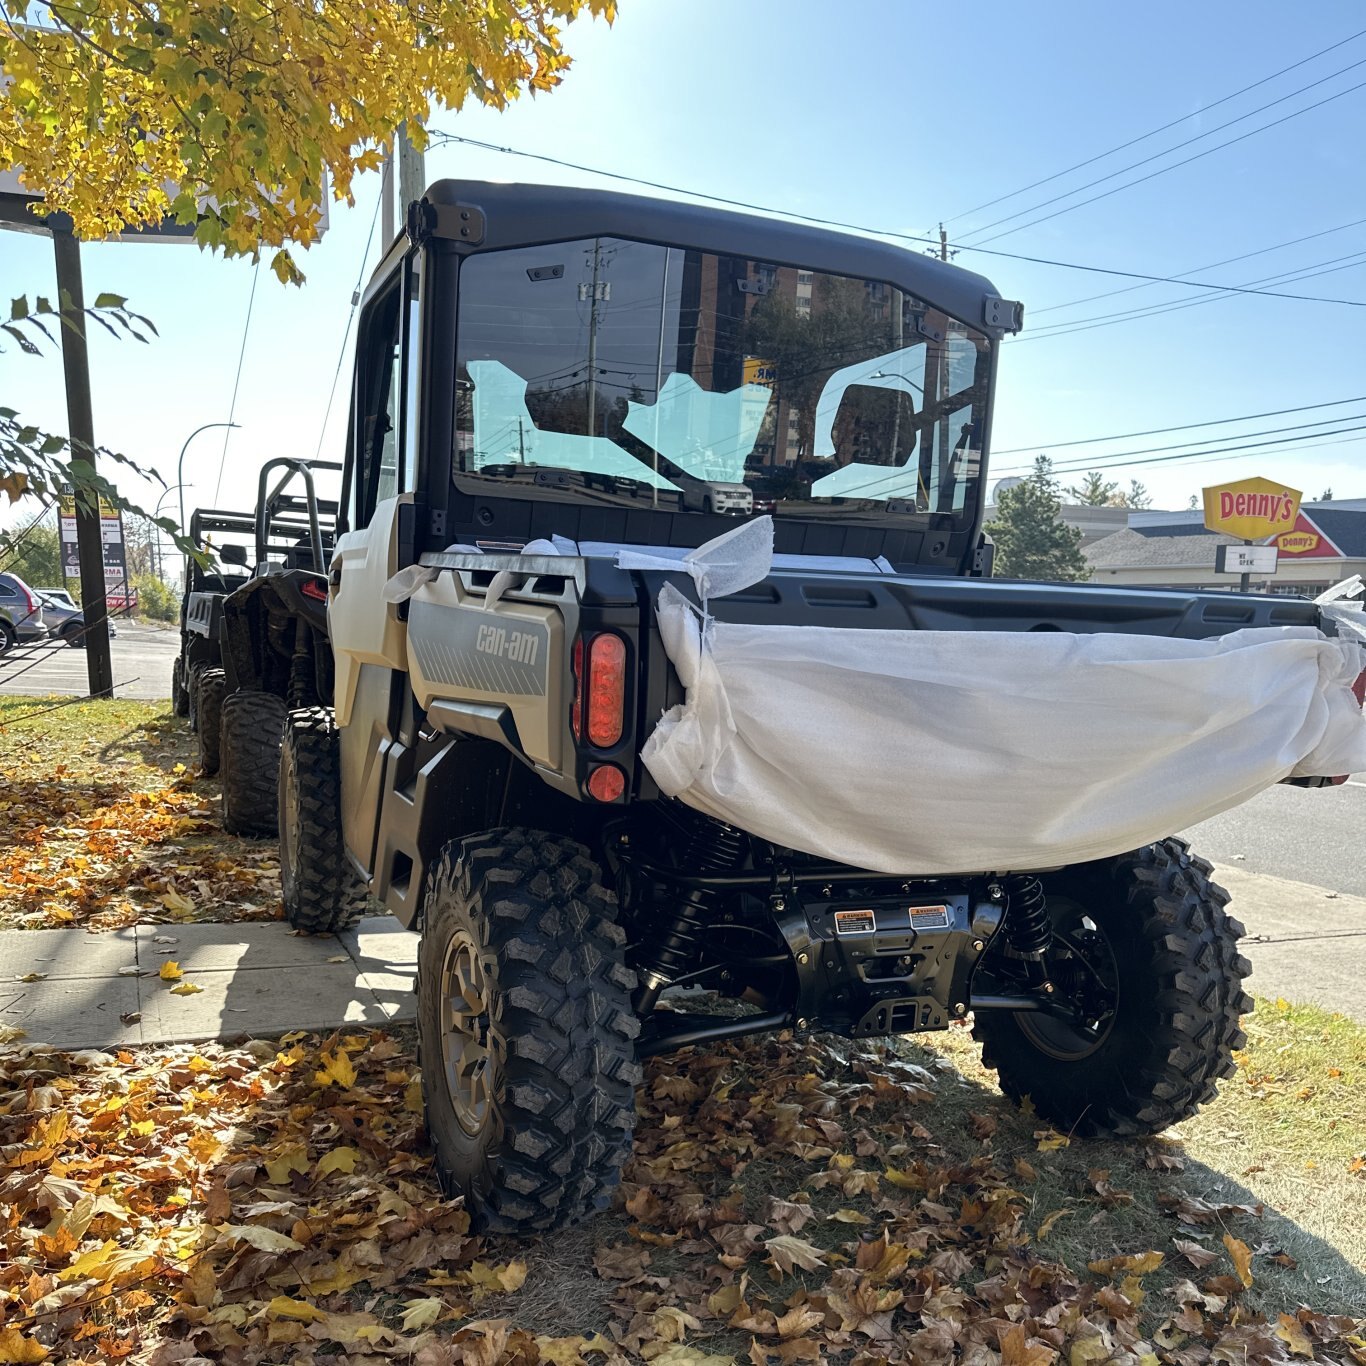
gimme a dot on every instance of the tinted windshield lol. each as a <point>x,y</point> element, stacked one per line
<point>624,371</point>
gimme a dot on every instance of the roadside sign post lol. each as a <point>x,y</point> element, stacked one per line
<point>1253,510</point>
<point>81,423</point>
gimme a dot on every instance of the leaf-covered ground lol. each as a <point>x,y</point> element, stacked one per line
<point>789,1200</point>
<point>105,820</point>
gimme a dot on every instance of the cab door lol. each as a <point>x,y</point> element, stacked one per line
<point>368,637</point>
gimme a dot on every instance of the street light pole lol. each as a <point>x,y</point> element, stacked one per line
<point>173,489</point>
<point>180,464</point>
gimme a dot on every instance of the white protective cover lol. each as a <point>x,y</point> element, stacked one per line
<point>935,752</point>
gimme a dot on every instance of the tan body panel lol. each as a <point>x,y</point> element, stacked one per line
<point>363,627</point>
<point>513,656</point>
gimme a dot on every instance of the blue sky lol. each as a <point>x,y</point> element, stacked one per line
<point>892,115</point>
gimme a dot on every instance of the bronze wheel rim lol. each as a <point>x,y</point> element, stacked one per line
<point>466,1055</point>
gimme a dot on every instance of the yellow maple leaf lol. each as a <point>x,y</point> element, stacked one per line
<point>1051,1141</point>
<point>186,989</point>
<point>282,1307</point>
<point>173,901</point>
<point>503,1279</point>
<point>292,1158</point>
<point>421,1313</point>
<point>16,1348</point>
<point>336,1070</point>
<point>338,1160</point>
<point>170,971</point>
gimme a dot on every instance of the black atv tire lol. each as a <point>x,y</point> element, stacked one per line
<point>518,927</point>
<point>210,685</point>
<point>180,696</point>
<point>249,760</point>
<point>1173,951</point>
<point>321,892</point>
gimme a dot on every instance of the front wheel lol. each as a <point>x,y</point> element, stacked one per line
<point>525,1030</point>
<point>1144,950</point>
<point>321,893</point>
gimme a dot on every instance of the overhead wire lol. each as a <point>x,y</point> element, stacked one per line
<point>1167,151</point>
<point>1330,267</point>
<point>237,380</point>
<point>919,238</point>
<point>1163,170</point>
<point>1034,311</point>
<point>350,318</point>
<point>1182,426</point>
<point>1152,133</point>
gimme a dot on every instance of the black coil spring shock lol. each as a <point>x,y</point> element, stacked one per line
<point>1029,931</point>
<point>697,844</point>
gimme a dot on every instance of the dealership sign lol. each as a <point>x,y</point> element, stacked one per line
<point>1252,509</point>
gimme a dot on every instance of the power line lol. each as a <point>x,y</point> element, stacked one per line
<point>881,232</point>
<point>237,380</point>
<point>1267,431</point>
<point>1198,270</point>
<point>1086,465</point>
<point>1309,272</point>
<point>346,334</point>
<point>1176,165</point>
<point>1143,137</point>
<point>1182,427</point>
<point>1167,151</point>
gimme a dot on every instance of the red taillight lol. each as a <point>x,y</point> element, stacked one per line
<point>598,712</point>
<point>29,598</point>
<point>606,783</point>
<point>606,694</point>
<point>311,588</point>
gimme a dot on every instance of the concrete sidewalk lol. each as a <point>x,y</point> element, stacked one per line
<point>98,990</point>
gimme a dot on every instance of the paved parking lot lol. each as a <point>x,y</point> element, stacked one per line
<point>143,656</point>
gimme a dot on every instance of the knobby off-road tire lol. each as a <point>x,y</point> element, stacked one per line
<point>180,697</point>
<point>521,972</point>
<point>1180,997</point>
<point>321,892</point>
<point>210,685</point>
<point>249,760</point>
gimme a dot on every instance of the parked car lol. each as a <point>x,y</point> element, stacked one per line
<point>65,620</point>
<point>21,613</point>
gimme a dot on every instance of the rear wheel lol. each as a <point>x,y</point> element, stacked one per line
<point>74,636</point>
<point>321,892</point>
<point>209,687</point>
<point>525,1030</point>
<point>1144,950</point>
<point>249,758</point>
<point>180,698</point>
<point>8,636</point>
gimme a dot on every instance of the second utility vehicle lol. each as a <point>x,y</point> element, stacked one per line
<point>476,765</point>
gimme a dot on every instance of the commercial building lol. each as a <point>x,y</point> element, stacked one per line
<point>1174,550</point>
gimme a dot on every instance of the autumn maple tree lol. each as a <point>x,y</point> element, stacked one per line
<point>243,118</point>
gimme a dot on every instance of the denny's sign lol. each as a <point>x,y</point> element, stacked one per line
<point>1252,509</point>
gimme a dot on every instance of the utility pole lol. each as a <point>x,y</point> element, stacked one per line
<point>412,174</point>
<point>81,425</point>
<point>943,244</point>
<point>593,342</point>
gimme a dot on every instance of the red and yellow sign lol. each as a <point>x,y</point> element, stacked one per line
<point>1306,541</point>
<point>1251,509</point>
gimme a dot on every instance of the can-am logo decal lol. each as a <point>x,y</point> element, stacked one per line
<point>518,646</point>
